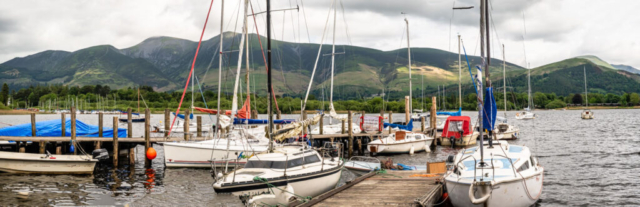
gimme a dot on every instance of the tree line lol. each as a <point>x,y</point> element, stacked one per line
<point>98,97</point>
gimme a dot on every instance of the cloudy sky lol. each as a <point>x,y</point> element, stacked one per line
<point>555,29</point>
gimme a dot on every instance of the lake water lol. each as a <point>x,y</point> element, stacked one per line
<point>587,162</point>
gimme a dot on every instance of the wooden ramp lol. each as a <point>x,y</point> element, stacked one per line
<point>393,188</point>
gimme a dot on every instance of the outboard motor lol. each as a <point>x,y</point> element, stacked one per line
<point>100,154</point>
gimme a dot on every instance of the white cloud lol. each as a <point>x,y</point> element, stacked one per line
<point>556,30</point>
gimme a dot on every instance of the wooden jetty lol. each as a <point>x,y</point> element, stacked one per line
<point>390,188</point>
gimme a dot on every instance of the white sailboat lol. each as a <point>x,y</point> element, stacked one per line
<point>504,130</point>
<point>230,149</point>
<point>277,176</point>
<point>330,128</point>
<point>586,113</point>
<point>30,163</point>
<point>527,113</point>
<point>493,174</point>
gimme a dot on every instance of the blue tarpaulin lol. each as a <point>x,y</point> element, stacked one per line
<point>53,128</point>
<point>182,116</point>
<point>490,110</point>
<point>261,121</point>
<point>408,127</point>
<point>450,113</point>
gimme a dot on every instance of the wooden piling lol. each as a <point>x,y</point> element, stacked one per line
<point>321,124</point>
<point>186,124</point>
<point>350,133</point>
<point>58,149</point>
<point>167,119</point>
<point>390,120</point>
<point>362,116</point>
<point>304,117</point>
<point>64,122</point>
<point>422,124</point>
<point>115,141</point>
<point>73,129</point>
<point>33,124</point>
<point>342,128</point>
<point>43,145</point>
<point>407,109</point>
<point>147,135</point>
<point>132,156</point>
<point>98,144</point>
<point>432,121</point>
<point>129,123</point>
<point>254,114</point>
<point>22,149</point>
<point>199,126</point>
<point>279,116</point>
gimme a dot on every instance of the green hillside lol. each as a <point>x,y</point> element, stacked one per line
<point>164,64</point>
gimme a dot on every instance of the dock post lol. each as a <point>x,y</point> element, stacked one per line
<point>321,124</point>
<point>147,136</point>
<point>350,133</point>
<point>58,148</point>
<point>342,129</point>
<point>432,120</point>
<point>33,124</point>
<point>407,109</point>
<point>304,117</point>
<point>132,157</point>
<point>73,129</point>
<point>279,116</point>
<point>167,119</point>
<point>390,120</point>
<point>254,114</point>
<point>21,150</point>
<point>100,130</point>
<point>363,113</point>
<point>199,126</point>
<point>43,145</point>
<point>129,124</point>
<point>64,122</point>
<point>186,124</point>
<point>115,141</point>
<point>422,123</point>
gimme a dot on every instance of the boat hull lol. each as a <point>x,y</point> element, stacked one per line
<point>185,155</point>
<point>507,194</point>
<point>405,147</point>
<point>28,163</point>
<point>304,185</point>
<point>469,140</point>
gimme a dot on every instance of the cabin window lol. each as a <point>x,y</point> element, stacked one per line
<point>282,164</point>
<point>311,159</point>
<point>524,166</point>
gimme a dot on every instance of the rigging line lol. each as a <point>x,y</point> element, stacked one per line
<point>192,66</point>
<point>202,94</point>
<point>229,23</point>
<point>262,49</point>
<point>346,26</point>
<point>304,14</point>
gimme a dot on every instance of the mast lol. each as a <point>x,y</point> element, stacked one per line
<point>479,79</point>
<point>269,86</point>
<point>220,67</point>
<point>529,85</point>
<point>586,94</point>
<point>409,56</point>
<point>459,75</point>
<point>504,80</point>
<point>139,98</point>
<point>333,56</point>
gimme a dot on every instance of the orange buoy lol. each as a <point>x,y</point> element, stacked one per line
<point>445,195</point>
<point>151,153</point>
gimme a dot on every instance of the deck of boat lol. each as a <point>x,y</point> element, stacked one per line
<point>393,188</point>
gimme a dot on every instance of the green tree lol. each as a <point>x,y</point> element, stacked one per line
<point>555,104</point>
<point>577,99</point>
<point>4,93</point>
<point>634,99</point>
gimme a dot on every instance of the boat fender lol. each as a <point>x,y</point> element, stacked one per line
<point>411,150</point>
<point>71,148</point>
<point>483,199</point>
<point>450,159</point>
<point>452,140</point>
<point>151,153</point>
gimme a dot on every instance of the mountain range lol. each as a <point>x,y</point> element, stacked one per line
<point>164,63</point>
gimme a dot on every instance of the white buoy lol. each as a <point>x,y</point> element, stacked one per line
<point>411,151</point>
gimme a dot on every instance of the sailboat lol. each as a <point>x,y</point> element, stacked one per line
<point>586,113</point>
<point>276,176</point>
<point>527,114</point>
<point>138,117</point>
<point>492,174</point>
<point>505,131</point>
<point>402,141</point>
<point>331,128</point>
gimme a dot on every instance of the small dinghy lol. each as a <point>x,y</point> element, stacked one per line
<point>29,163</point>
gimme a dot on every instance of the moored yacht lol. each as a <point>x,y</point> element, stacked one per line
<point>507,172</point>
<point>302,171</point>
<point>401,142</point>
<point>526,114</point>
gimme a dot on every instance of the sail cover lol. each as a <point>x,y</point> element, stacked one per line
<point>490,110</point>
<point>450,113</point>
<point>243,113</point>
<point>333,114</point>
<point>408,127</point>
<point>261,121</point>
<point>53,128</point>
<point>182,115</point>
